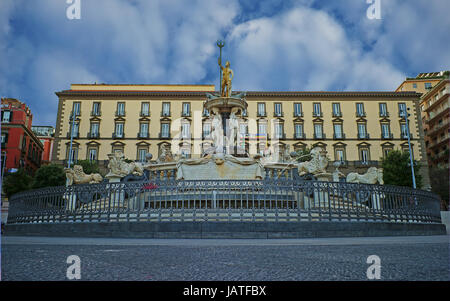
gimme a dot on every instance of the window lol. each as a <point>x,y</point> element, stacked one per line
<point>6,116</point>
<point>298,110</point>
<point>403,131</point>
<point>4,139</point>
<point>166,109</point>
<point>143,130</point>
<point>298,130</point>
<point>96,109</point>
<point>340,154</point>
<point>385,131</point>
<point>262,129</point>
<point>318,133</point>
<point>142,153</point>
<point>415,86</point>
<point>261,109</point>
<point>278,110</point>
<point>279,130</point>
<point>75,126</point>
<point>92,154</point>
<point>243,130</point>
<point>428,86</point>
<point>185,130</point>
<point>244,113</point>
<point>386,151</point>
<point>72,155</point>
<point>401,109</point>
<point>383,110</point>
<point>145,109</point>
<point>185,151</point>
<point>364,155</point>
<point>120,109</point>
<point>362,133</point>
<point>317,110</point>
<point>360,110</point>
<point>165,132</point>
<point>119,130</point>
<point>338,131</point>
<point>205,112</point>
<point>94,130</point>
<point>186,109</point>
<point>337,110</point>
<point>76,108</point>
<point>206,130</point>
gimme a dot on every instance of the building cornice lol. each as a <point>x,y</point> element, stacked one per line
<point>72,93</point>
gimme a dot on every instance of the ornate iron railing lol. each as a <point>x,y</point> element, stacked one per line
<point>271,199</point>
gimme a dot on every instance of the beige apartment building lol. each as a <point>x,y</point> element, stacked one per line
<point>356,128</point>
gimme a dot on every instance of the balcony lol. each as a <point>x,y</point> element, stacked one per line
<point>298,114</point>
<point>118,135</point>
<point>96,113</point>
<point>165,114</point>
<point>343,163</point>
<point>206,136</point>
<point>280,136</point>
<point>164,136</point>
<point>337,114</point>
<point>120,114</point>
<point>144,114</point>
<point>76,114</point>
<point>144,135</point>
<point>437,128</point>
<point>75,135</point>
<point>186,114</point>
<point>93,135</point>
<point>384,114</point>
<point>278,114</point>
<point>339,136</point>
<point>387,136</point>
<point>262,114</point>
<point>317,114</point>
<point>365,163</point>
<point>360,114</point>
<point>319,136</point>
<point>363,136</point>
<point>299,136</point>
<point>405,136</point>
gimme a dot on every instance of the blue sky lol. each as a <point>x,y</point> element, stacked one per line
<point>303,45</point>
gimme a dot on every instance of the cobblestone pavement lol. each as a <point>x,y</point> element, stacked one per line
<point>402,258</point>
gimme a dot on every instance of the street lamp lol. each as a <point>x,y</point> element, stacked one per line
<point>405,115</point>
<point>71,139</point>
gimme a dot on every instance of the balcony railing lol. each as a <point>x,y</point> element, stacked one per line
<point>278,114</point>
<point>262,114</point>
<point>186,114</point>
<point>339,136</point>
<point>384,114</point>
<point>165,114</point>
<point>93,135</point>
<point>120,113</point>
<point>298,114</point>
<point>317,114</point>
<point>405,136</point>
<point>299,136</point>
<point>164,136</point>
<point>337,114</point>
<point>319,136</point>
<point>387,136</point>
<point>365,163</point>
<point>360,114</point>
<point>118,135</point>
<point>280,136</point>
<point>145,114</point>
<point>96,113</point>
<point>143,135</point>
<point>363,136</point>
<point>75,135</point>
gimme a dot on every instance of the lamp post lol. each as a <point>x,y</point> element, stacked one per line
<point>406,115</point>
<point>71,139</point>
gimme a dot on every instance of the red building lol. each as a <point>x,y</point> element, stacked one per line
<point>46,134</point>
<point>19,145</point>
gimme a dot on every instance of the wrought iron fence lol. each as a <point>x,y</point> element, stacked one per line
<point>224,200</point>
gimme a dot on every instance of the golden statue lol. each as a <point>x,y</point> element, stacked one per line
<point>227,76</point>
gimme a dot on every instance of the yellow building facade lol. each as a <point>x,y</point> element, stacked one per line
<point>356,128</point>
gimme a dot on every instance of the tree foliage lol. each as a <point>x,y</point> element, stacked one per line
<point>49,175</point>
<point>304,154</point>
<point>89,166</point>
<point>16,182</point>
<point>397,169</point>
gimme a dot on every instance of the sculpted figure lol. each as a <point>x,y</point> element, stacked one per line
<point>77,176</point>
<point>165,154</point>
<point>227,76</point>
<point>119,168</point>
<point>234,125</point>
<point>316,165</point>
<point>217,131</point>
<point>337,174</point>
<point>372,176</point>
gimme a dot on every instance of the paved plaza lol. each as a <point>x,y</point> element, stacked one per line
<point>402,258</point>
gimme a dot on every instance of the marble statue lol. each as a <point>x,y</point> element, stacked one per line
<point>317,165</point>
<point>119,168</point>
<point>217,131</point>
<point>77,176</point>
<point>337,174</point>
<point>372,176</point>
<point>234,127</point>
<point>165,154</point>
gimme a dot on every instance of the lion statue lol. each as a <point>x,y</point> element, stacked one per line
<point>317,165</point>
<point>77,176</point>
<point>372,176</point>
<point>119,168</point>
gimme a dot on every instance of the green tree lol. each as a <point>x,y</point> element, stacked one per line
<point>49,175</point>
<point>16,182</point>
<point>303,154</point>
<point>397,169</point>
<point>89,166</point>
